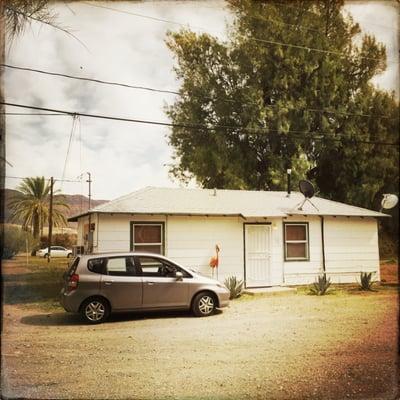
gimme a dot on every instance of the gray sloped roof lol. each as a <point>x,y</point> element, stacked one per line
<point>246,203</point>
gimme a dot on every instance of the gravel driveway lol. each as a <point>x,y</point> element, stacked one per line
<point>279,347</point>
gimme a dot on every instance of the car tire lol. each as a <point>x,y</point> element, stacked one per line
<point>69,255</point>
<point>46,255</point>
<point>95,310</point>
<point>204,304</point>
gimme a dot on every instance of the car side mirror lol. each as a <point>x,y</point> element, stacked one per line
<point>178,275</point>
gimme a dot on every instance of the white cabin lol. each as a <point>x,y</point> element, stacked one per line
<point>266,238</point>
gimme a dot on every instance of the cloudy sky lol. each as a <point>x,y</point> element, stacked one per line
<point>120,47</point>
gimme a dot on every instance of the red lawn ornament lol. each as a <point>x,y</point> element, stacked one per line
<point>214,260</point>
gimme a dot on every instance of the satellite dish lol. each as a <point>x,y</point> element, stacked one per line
<point>389,201</point>
<point>306,188</point>
<point>308,191</point>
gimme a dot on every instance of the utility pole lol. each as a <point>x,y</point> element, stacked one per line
<point>50,218</point>
<point>90,239</point>
<point>2,124</point>
<point>288,175</point>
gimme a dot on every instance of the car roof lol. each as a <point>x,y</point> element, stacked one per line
<point>121,254</point>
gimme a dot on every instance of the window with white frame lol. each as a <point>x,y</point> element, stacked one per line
<point>296,241</point>
<point>147,237</point>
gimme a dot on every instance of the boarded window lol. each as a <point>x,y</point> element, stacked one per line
<point>148,238</point>
<point>296,241</point>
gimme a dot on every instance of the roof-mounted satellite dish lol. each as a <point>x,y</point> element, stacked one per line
<point>389,201</point>
<point>308,191</point>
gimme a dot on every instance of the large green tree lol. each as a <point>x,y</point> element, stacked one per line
<point>291,86</point>
<point>31,205</point>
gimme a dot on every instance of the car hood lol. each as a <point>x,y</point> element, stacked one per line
<point>205,279</point>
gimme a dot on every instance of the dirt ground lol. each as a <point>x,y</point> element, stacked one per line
<point>293,346</point>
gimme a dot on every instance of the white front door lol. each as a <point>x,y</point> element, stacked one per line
<point>257,255</point>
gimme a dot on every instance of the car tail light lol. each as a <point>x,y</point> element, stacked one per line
<point>73,282</point>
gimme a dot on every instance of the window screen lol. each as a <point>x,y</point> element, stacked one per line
<point>148,238</point>
<point>296,241</point>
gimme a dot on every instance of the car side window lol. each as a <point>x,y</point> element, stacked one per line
<point>121,266</point>
<point>156,267</point>
<point>97,265</point>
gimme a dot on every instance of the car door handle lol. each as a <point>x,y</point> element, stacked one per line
<point>150,283</point>
<point>108,283</point>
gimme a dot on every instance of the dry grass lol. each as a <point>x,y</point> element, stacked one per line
<point>284,347</point>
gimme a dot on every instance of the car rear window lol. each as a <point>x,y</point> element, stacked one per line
<point>97,265</point>
<point>72,267</point>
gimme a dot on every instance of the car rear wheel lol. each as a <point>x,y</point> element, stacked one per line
<point>95,310</point>
<point>203,304</point>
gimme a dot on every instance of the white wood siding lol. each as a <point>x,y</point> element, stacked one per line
<point>80,239</point>
<point>114,231</point>
<point>191,242</point>
<point>351,246</point>
<point>303,272</point>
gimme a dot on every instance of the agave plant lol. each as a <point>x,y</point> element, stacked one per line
<point>366,281</point>
<point>235,286</point>
<point>321,285</point>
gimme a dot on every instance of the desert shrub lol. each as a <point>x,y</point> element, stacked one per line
<point>366,281</point>
<point>14,240</point>
<point>234,286</point>
<point>321,285</point>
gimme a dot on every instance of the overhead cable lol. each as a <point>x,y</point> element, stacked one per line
<point>209,128</point>
<point>250,38</point>
<point>326,111</point>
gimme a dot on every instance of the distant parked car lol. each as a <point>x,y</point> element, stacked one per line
<point>56,251</point>
<point>96,285</point>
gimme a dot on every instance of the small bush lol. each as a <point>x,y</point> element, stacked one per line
<point>14,240</point>
<point>321,285</point>
<point>235,286</point>
<point>366,281</point>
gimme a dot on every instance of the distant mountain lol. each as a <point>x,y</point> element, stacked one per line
<point>77,203</point>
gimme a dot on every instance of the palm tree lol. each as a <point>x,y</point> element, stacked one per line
<point>31,205</point>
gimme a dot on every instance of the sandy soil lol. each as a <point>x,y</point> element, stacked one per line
<point>279,347</point>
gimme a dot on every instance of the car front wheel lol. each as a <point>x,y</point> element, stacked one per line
<point>95,310</point>
<point>203,304</point>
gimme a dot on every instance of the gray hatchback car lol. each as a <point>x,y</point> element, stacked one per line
<point>96,285</point>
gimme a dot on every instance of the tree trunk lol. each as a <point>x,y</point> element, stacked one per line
<point>36,226</point>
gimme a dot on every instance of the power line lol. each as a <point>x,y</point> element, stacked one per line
<point>166,21</point>
<point>205,127</point>
<point>175,93</point>
<point>74,120</point>
<point>250,38</point>
<point>25,177</point>
<point>39,71</point>
<point>46,114</point>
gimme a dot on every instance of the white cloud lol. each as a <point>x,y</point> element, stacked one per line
<point>122,157</point>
